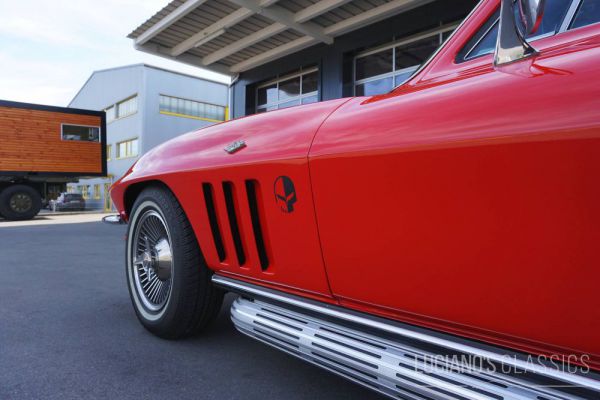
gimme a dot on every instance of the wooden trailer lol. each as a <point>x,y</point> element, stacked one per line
<point>42,148</point>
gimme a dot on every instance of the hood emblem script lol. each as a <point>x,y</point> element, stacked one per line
<point>235,146</point>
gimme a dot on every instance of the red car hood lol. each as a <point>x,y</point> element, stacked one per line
<point>277,135</point>
<point>280,134</point>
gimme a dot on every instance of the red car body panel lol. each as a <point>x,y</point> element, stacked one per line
<point>275,147</point>
<point>466,200</point>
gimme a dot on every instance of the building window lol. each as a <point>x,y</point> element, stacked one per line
<point>122,109</point>
<point>110,114</point>
<point>85,191</point>
<point>191,109</point>
<point>80,133</point>
<point>127,107</point>
<point>128,148</point>
<point>97,192</point>
<point>379,70</point>
<point>287,91</point>
<point>108,152</point>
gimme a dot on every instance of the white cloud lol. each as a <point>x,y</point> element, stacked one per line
<point>48,49</point>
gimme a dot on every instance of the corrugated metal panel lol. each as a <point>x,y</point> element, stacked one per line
<point>327,19</point>
<point>155,18</point>
<point>253,24</point>
<point>295,5</point>
<point>346,11</point>
<point>197,20</point>
<point>234,34</point>
<point>261,47</point>
<point>214,10</point>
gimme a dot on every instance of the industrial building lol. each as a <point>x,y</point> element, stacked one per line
<point>145,106</point>
<point>289,52</point>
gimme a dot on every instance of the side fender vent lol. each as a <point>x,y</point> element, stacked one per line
<point>237,222</point>
<point>253,200</point>
<point>233,222</point>
<point>209,199</point>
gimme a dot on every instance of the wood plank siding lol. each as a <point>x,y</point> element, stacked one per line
<point>31,141</point>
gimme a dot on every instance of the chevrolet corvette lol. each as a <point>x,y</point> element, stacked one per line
<point>438,241</point>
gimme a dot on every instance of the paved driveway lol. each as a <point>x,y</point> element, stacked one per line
<point>67,331</point>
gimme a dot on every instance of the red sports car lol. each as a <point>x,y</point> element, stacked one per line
<point>440,241</point>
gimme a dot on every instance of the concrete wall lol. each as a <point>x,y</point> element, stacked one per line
<point>335,61</point>
<point>107,87</point>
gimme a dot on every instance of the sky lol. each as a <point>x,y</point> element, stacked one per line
<point>49,48</point>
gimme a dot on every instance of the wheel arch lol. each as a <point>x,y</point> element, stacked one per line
<point>134,190</point>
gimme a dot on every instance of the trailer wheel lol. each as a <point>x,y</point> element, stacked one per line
<point>20,202</point>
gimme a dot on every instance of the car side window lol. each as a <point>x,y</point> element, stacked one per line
<point>484,41</point>
<point>587,14</point>
<point>554,14</point>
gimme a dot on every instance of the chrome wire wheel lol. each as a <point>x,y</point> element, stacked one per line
<point>152,261</point>
<point>20,202</point>
<point>168,280</point>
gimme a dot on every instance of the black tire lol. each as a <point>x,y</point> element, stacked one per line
<point>193,302</point>
<point>20,202</point>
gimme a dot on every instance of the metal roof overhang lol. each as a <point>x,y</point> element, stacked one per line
<point>232,36</point>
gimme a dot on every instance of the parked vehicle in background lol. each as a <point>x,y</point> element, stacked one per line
<point>436,242</point>
<point>68,201</point>
<point>42,148</point>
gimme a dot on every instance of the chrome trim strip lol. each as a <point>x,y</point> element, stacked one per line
<point>570,15</point>
<point>411,333</point>
<point>488,30</point>
<point>393,367</point>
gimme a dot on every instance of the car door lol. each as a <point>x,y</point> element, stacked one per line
<point>469,200</point>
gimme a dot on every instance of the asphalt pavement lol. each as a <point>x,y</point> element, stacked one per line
<point>68,331</point>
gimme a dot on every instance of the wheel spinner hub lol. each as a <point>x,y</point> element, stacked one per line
<point>152,261</point>
<point>157,259</point>
<point>147,262</point>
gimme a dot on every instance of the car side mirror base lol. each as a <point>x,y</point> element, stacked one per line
<point>511,44</point>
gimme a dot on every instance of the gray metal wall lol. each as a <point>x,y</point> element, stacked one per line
<point>152,128</point>
<point>334,61</point>
<point>159,128</point>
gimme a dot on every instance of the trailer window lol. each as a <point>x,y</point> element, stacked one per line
<point>80,133</point>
